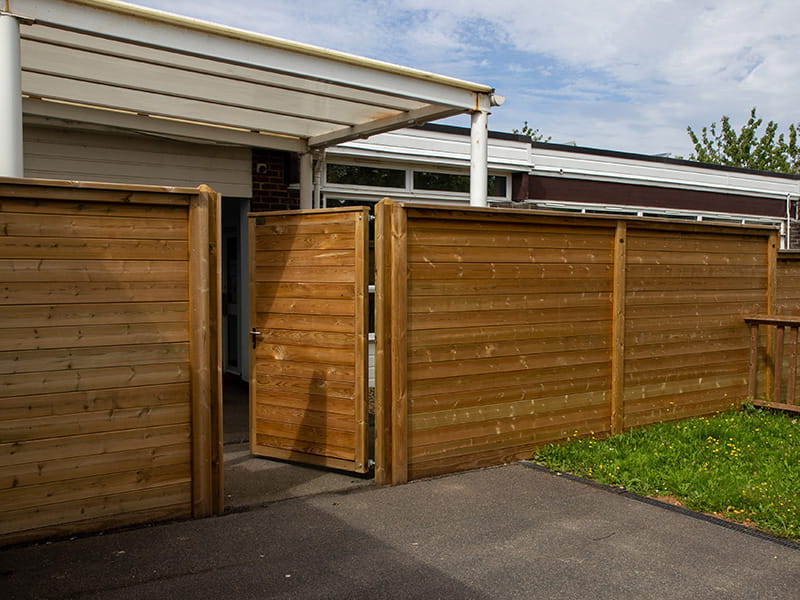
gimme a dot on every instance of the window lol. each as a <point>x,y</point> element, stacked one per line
<point>451,182</point>
<point>371,176</point>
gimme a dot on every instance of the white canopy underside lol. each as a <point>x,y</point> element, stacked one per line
<point>117,65</point>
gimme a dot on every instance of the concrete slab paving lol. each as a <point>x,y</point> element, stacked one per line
<point>507,532</point>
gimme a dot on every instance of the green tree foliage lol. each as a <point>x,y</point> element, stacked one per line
<point>748,148</point>
<point>534,134</point>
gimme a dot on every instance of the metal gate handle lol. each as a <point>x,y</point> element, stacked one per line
<point>254,334</point>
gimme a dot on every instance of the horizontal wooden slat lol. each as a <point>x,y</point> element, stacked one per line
<point>84,226</point>
<point>657,257</point>
<point>42,203</point>
<point>422,338</point>
<point>464,351</point>
<point>32,361</point>
<point>503,238</point>
<point>15,453</point>
<point>291,337</point>
<point>420,421</point>
<point>305,258</point>
<point>541,393</point>
<point>306,418</point>
<point>292,322</point>
<point>92,270</point>
<point>450,287</point>
<point>65,469</point>
<point>310,354</point>
<point>490,318</point>
<point>271,383</point>
<point>304,437</point>
<point>305,306</point>
<point>33,428</point>
<point>44,495</point>
<point>100,510</point>
<point>305,241</point>
<point>53,382</point>
<point>493,381</point>
<point>315,290</point>
<point>42,405</point>
<point>92,314</point>
<point>81,292</point>
<point>487,302</point>
<point>526,270</point>
<point>88,249</point>
<point>304,274</point>
<point>301,450</point>
<point>269,397</point>
<point>309,371</point>
<point>81,336</point>
<point>475,254</point>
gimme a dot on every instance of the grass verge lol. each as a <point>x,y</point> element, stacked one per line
<point>740,465</point>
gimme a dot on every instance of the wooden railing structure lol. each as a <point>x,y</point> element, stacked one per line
<point>774,363</point>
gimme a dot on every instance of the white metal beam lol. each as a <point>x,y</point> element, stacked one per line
<point>405,119</point>
<point>182,130</point>
<point>11,151</point>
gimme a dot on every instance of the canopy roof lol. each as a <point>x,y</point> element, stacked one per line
<point>119,65</point>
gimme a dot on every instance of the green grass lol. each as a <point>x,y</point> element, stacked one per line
<point>742,465</point>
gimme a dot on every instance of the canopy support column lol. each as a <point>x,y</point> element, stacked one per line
<point>479,157</point>
<point>306,181</point>
<point>11,156</point>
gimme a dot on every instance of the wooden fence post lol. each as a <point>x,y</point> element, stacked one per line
<point>200,332</point>
<point>618,329</point>
<point>383,362</point>
<point>773,243</point>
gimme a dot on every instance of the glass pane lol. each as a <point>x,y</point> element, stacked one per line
<point>444,182</point>
<point>371,176</point>
<point>451,182</point>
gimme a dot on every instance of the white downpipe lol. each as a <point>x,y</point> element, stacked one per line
<point>11,161</point>
<point>306,181</point>
<point>479,158</point>
<point>320,162</point>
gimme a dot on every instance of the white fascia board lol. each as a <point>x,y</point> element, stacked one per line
<point>72,115</point>
<point>555,163</point>
<point>150,27</point>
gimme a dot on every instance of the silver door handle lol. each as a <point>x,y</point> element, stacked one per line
<point>254,334</point>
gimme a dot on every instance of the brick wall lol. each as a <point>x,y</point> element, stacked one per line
<point>273,172</point>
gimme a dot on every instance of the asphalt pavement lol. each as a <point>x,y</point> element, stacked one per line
<point>506,532</point>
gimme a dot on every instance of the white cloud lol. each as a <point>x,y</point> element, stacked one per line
<point>624,75</point>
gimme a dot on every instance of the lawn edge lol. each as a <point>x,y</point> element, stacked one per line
<point>665,505</point>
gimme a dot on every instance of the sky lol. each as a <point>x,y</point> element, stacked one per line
<point>626,75</point>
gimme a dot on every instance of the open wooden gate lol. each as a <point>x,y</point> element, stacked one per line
<point>308,318</point>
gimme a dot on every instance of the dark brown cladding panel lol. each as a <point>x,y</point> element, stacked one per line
<point>558,189</point>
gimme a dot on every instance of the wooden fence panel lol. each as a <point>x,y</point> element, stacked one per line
<point>108,374</point>
<point>502,330</point>
<point>687,294</point>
